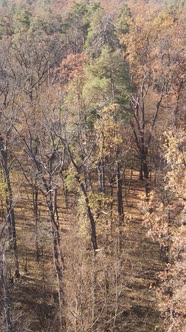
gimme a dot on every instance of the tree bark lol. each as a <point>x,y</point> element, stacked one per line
<point>36,217</point>
<point>119,183</point>
<point>144,172</point>
<point>57,254</point>
<point>101,176</point>
<point>90,216</point>
<point>7,307</point>
<point>10,206</point>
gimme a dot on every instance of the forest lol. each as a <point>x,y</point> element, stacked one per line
<point>92,166</point>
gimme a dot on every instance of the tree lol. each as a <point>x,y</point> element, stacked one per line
<point>47,163</point>
<point>8,93</point>
<point>165,218</point>
<point>101,33</point>
<point>108,85</point>
<point>32,58</point>
<point>109,142</point>
<point>4,279</point>
<point>76,26</point>
<point>151,77</point>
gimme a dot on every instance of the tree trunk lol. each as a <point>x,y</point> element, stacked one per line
<point>65,191</point>
<point>111,183</point>
<point>10,207</point>
<point>95,310</point>
<point>36,217</point>
<point>89,212</point>
<point>90,216</point>
<point>144,172</point>
<point>9,325</point>
<point>119,183</point>
<point>101,176</point>
<point>57,256</point>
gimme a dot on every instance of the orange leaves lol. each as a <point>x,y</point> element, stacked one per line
<point>146,42</point>
<point>73,66</point>
<point>175,155</point>
<point>155,48</point>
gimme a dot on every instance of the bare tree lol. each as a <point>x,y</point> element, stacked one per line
<point>47,163</point>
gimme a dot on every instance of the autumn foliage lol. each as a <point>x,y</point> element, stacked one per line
<point>92,166</point>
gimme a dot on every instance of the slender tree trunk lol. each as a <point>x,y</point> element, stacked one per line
<point>90,216</point>
<point>177,110</point>
<point>10,207</point>
<point>112,181</point>
<point>116,287</point>
<point>36,217</point>
<point>89,211</point>
<point>145,167</point>
<point>119,183</point>
<point>57,256</point>
<point>65,191</point>
<point>93,226</point>
<point>7,306</point>
<point>101,176</point>
<point>144,173</point>
<point>95,310</point>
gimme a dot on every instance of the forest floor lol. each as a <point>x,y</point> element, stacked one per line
<point>33,295</point>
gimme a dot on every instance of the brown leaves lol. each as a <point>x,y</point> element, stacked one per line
<point>73,66</point>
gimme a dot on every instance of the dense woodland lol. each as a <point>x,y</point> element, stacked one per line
<point>92,166</point>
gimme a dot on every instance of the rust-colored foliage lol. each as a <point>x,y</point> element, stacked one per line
<point>73,66</point>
